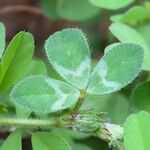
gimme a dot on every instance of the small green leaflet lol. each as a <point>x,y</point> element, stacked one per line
<point>111,4</point>
<point>2,39</point>
<point>73,9</point>
<point>134,15</point>
<point>44,95</point>
<point>13,142</point>
<point>136,132</point>
<point>49,141</point>
<point>16,59</point>
<point>118,67</point>
<point>124,32</point>
<point>68,52</point>
<point>140,98</point>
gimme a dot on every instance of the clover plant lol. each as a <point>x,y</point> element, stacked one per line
<point>43,103</point>
<point>54,111</point>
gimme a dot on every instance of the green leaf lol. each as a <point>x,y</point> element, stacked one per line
<point>69,134</point>
<point>48,141</point>
<point>44,95</point>
<point>111,4</point>
<point>50,8</point>
<point>13,142</point>
<point>36,67</point>
<point>136,14</point>
<point>140,98</point>
<point>144,31</point>
<point>2,39</point>
<point>22,113</point>
<point>73,10</point>
<point>124,32</point>
<point>104,103</point>
<point>118,67</point>
<point>68,52</point>
<point>16,59</point>
<point>3,108</point>
<point>136,132</point>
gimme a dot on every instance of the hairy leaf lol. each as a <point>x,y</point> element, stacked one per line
<point>76,10</point>
<point>2,39</point>
<point>111,4</point>
<point>127,34</point>
<point>136,132</point>
<point>13,142</point>
<point>118,67</point>
<point>44,95</point>
<point>69,54</point>
<point>16,59</point>
<point>48,141</point>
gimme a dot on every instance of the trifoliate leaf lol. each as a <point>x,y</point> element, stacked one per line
<point>127,34</point>
<point>136,132</point>
<point>49,141</point>
<point>117,68</point>
<point>69,54</point>
<point>44,95</point>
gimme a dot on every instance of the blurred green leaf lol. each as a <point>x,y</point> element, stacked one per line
<point>13,142</point>
<point>48,141</point>
<point>36,67</point>
<point>44,95</point>
<point>73,61</point>
<point>111,4</point>
<point>127,34</point>
<point>117,114</point>
<point>136,132</point>
<point>117,68</point>
<point>22,113</point>
<point>69,135</point>
<point>2,39</point>
<point>16,59</point>
<point>50,8</point>
<point>2,108</point>
<point>144,30</point>
<point>134,15</point>
<point>76,10</point>
<point>140,98</point>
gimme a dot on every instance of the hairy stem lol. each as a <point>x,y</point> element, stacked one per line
<point>26,122</point>
<point>78,105</point>
<point>83,94</point>
<point>107,132</point>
